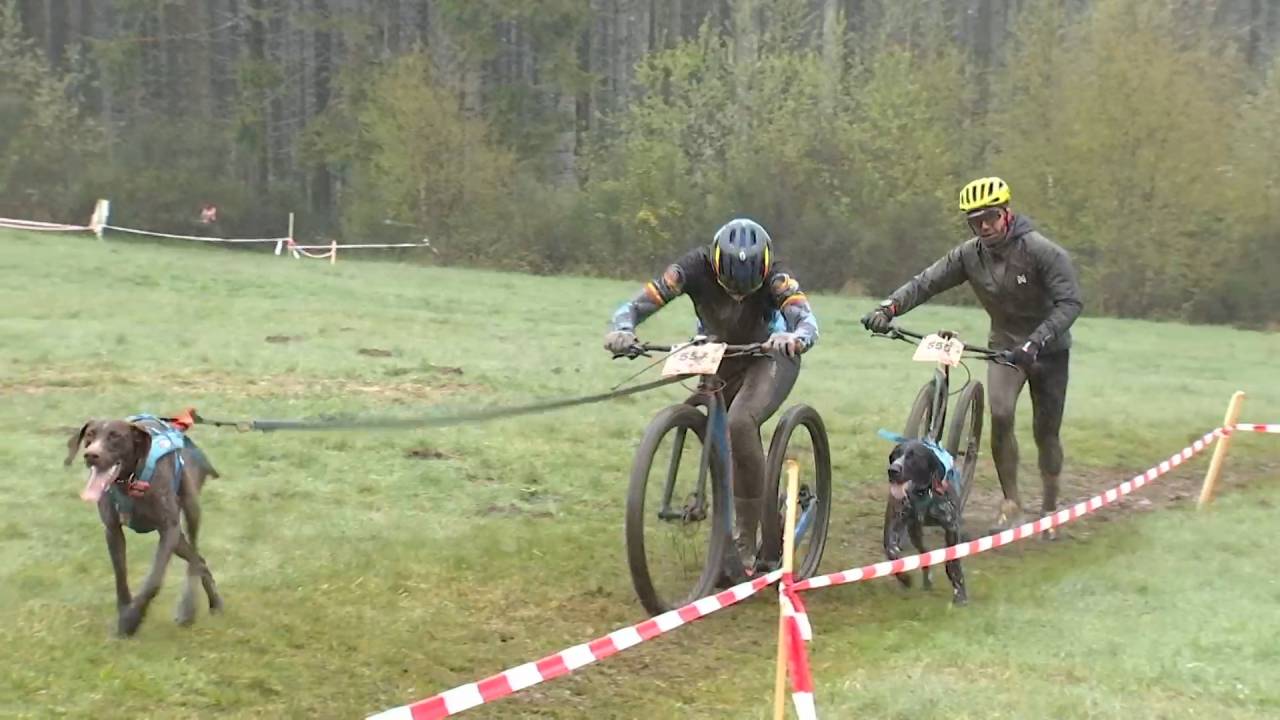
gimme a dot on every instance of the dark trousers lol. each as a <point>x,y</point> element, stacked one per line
<point>1048,381</point>
<point>754,389</point>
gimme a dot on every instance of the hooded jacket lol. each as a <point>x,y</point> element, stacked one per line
<point>1026,283</point>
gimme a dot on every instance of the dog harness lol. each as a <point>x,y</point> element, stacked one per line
<point>165,440</point>
<point>950,475</point>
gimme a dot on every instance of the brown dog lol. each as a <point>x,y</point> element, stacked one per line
<point>146,474</point>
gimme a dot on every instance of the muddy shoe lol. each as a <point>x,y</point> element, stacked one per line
<point>734,571</point>
<point>746,532</point>
<point>1009,516</point>
<point>1054,534</point>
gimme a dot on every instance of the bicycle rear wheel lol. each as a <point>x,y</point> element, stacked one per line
<point>802,435</point>
<point>674,544</point>
<point>964,440</point>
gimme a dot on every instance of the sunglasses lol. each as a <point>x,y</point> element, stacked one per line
<point>980,218</point>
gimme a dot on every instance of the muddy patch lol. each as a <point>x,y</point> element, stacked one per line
<point>514,510</point>
<point>427,452</point>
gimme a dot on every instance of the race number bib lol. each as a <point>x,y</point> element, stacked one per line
<point>701,359</point>
<point>937,349</point>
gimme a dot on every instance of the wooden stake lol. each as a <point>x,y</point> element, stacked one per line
<point>1220,452</point>
<point>333,252</point>
<point>792,470</point>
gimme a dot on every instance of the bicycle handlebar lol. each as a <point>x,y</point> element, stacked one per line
<point>643,349</point>
<point>900,333</point>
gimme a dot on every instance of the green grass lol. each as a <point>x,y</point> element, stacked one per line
<point>358,577</point>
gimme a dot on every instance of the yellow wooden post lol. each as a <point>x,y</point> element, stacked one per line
<point>792,470</point>
<point>1220,452</point>
<point>333,253</point>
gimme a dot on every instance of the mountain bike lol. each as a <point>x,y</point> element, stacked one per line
<point>679,516</point>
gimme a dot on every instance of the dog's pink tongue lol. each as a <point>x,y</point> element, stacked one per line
<point>898,490</point>
<point>98,482</point>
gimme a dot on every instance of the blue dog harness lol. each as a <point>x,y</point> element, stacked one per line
<point>165,440</point>
<point>950,476</point>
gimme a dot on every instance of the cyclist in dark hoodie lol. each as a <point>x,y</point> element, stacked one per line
<point>1028,286</point>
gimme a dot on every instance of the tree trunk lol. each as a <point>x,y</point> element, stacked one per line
<point>745,53</point>
<point>260,173</point>
<point>832,46</point>
<point>56,22</point>
<point>321,183</point>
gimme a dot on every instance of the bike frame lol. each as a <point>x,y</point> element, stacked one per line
<point>718,442</point>
<point>941,398</point>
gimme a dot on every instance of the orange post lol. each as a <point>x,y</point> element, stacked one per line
<point>1220,452</point>
<point>792,470</point>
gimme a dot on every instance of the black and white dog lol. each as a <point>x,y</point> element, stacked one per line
<point>922,491</point>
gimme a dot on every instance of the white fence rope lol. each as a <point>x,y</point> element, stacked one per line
<point>98,225</point>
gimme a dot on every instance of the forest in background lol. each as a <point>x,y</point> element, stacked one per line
<point>608,136</point>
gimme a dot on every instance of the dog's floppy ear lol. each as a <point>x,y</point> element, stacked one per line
<point>896,452</point>
<point>937,471</point>
<point>141,443</point>
<point>73,443</point>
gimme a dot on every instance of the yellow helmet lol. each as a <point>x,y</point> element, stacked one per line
<point>984,193</point>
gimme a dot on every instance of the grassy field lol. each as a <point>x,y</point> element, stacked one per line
<point>366,570</point>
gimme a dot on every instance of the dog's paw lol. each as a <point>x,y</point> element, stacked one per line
<point>927,582</point>
<point>960,599</point>
<point>186,612</point>
<point>904,579</point>
<point>1052,535</point>
<point>130,620</point>
<point>215,604</point>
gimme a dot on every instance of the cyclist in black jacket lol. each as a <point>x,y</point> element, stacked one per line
<point>741,294</point>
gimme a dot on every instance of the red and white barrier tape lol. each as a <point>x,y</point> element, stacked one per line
<point>300,251</point>
<point>520,677</point>
<point>801,677</point>
<point>793,607</point>
<point>36,225</point>
<point>796,619</point>
<point>364,246</point>
<point>798,632</point>
<point>983,544</point>
<point>197,238</point>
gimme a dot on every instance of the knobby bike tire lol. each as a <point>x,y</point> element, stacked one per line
<point>921,415</point>
<point>668,419</point>
<point>773,518</point>
<point>968,417</point>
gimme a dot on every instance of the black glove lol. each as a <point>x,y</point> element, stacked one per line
<point>877,321</point>
<point>1023,356</point>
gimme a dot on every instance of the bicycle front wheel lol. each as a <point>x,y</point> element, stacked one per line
<point>674,547</point>
<point>965,438</point>
<point>800,435</point>
<point>921,416</point>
